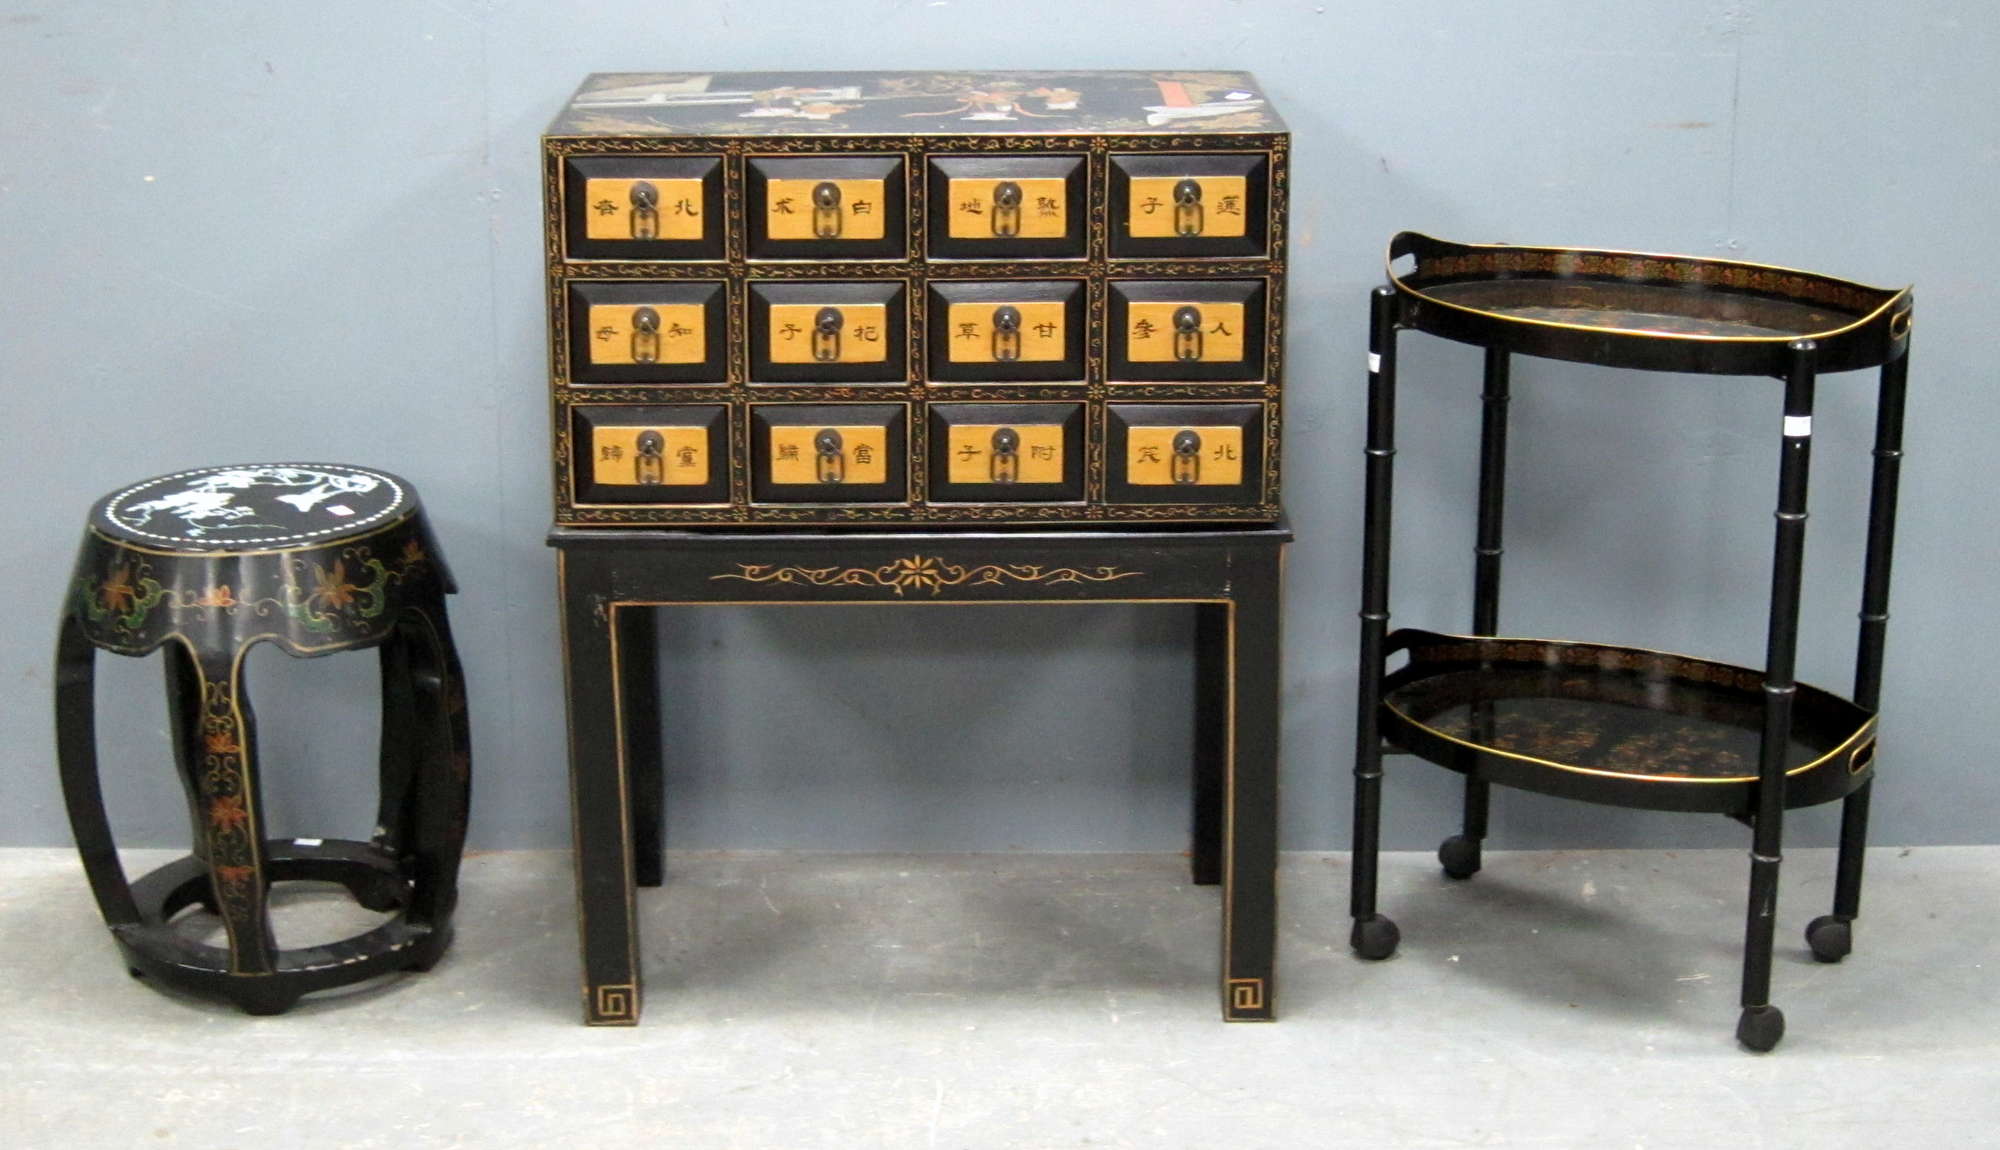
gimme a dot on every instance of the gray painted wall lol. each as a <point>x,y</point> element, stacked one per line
<point>270,231</point>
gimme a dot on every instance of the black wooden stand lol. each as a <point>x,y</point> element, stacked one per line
<point>611,580</point>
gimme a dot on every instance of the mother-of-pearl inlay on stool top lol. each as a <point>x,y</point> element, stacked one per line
<point>265,505</point>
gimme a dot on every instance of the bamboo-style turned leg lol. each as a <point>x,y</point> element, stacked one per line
<point>1762,1025</point>
<point>1374,935</point>
<point>1831,936</point>
<point>1459,854</point>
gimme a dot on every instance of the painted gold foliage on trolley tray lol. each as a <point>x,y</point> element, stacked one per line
<point>1614,265</point>
<point>918,573</point>
<point>1598,658</point>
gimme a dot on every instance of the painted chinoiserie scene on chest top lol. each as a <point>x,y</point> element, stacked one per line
<point>916,297</point>
<point>782,103</point>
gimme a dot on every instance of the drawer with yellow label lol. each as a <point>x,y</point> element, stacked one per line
<point>1007,207</point>
<point>1184,452</point>
<point>983,331</point>
<point>826,207</point>
<point>655,453</point>
<point>644,207</point>
<point>1006,452</point>
<point>829,332</point>
<point>828,452</point>
<point>1174,206</point>
<point>1193,330</point>
<point>648,332</point>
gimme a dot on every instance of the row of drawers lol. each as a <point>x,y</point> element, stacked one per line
<point>975,331</point>
<point>833,207</point>
<point>858,453</point>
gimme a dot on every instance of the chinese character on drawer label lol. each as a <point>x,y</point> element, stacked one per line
<point>1033,453</point>
<point>1191,456</point>
<point>645,456</point>
<point>1036,208</point>
<point>641,209</point>
<point>806,333</point>
<point>1159,207</point>
<point>1184,332</point>
<point>1032,333</point>
<point>647,333</point>
<point>824,209</point>
<point>850,454</point>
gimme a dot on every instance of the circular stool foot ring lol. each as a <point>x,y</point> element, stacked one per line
<point>154,950</point>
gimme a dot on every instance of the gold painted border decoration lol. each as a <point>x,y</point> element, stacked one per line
<point>925,572</point>
<point>1245,993</point>
<point>615,1003</point>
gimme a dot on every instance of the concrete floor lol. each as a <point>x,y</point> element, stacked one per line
<point>858,1001</point>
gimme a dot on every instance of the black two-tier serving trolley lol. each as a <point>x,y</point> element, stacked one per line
<point>1618,725</point>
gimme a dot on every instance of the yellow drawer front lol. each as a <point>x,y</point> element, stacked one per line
<point>618,457</point>
<point>611,211</point>
<point>1220,213</point>
<point>863,335</point>
<point>1041,335</point>
<point>1038,456</point>
<point>790,212</point>
<point>1150,459</point>
<point>864,455</point>
<point>678,334</point>
<point>974,212</point>
<point>1151,336</point>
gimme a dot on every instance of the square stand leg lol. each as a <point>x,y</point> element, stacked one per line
<point>611,580</point>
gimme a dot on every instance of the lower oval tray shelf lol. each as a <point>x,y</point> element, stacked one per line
<point>1621,726</point>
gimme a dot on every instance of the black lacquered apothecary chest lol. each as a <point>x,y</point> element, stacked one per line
<point>914,297</point>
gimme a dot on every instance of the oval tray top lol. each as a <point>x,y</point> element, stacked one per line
<point>1623,726</point>
<point>1640,310</point>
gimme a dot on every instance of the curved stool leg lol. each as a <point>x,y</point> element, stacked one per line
<point>399,757</point>
<point>441,739</point>
<point>398,751</point>
<point>232,824</point>
<point>83,795</point>
<point>184,712</point>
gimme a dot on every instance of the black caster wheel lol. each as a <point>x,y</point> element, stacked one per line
<point>1831,937</point>
<point>1374,937</point>
<point>1760,1028</point>
<point>1460,857</point>
<point>135,972</point>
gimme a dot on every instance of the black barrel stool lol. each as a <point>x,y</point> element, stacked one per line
<point>316,558</point>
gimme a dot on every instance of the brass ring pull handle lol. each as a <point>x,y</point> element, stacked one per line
<point>1006,333</point>
<point>1899,324</point>
<point>826,335</point>
<point>649,464</point>
<point>1187,208</point>
<point>826,210</point>
<point>645,335</point>
<point>1187,456</point>
<point>1187,333</point>
<point>1006,464</point>
<point>1006,217</point>
<point>830,460</point>
<point>645,214</point>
